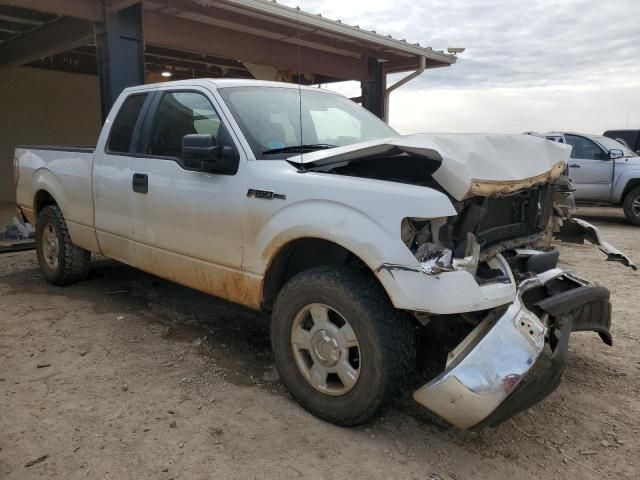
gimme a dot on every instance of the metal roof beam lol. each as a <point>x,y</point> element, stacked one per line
<point>170,61</point>
<point>188,35</point>
<point>286,30</point>
<point>397,66</point>
<point>83,9</point>
<point>10,25</point>
<point>115,5</point>
<point>56,37</point>
<point>319,22</point>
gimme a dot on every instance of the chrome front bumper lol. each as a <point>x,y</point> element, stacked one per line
<point>492,362</point>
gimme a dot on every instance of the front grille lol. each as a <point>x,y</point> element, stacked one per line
<point>504,232</point>
<point>504,219</point>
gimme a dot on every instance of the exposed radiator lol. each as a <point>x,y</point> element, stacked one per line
<point>505,219</point>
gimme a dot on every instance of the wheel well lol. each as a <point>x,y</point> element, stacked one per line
<point>41,200</point>
<point>630,186</point>
<point>299,255</point>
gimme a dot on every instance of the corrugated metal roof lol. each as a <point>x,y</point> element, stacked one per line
<point>332,50</point>
<point>322,24</point>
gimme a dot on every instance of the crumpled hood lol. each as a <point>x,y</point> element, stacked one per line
<point>471,164</point>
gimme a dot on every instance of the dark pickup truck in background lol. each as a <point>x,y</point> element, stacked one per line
<point>631,138</point>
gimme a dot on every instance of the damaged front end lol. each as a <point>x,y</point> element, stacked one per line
<point>516,353</point>
<point>483,228</point>
<point>489,268</point>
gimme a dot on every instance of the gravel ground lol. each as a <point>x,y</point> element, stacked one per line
<point>128,376</point>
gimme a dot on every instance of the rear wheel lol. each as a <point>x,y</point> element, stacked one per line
<point>61,262</point>
<point>632,206</point>
<point>341,348</point>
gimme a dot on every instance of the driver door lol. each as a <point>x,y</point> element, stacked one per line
<point>590,169</point>
<point>187,225</point>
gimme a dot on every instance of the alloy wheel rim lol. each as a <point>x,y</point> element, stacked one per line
<point>50,246</point>
<point>325,349</point>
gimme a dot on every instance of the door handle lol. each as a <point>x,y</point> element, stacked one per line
<point>140,183</point>
<point>574,165</point>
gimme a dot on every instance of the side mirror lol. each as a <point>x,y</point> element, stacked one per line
<point>201,153</point>
<point>615,153</point>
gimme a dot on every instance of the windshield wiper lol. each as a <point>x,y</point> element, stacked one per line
<point>299,148</point>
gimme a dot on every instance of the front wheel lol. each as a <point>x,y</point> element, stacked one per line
<point>61,262</point>
<point>341,348</point>
<point>632,206</point>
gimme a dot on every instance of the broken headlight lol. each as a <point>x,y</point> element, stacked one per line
<point>434,259</point>
<point>414,232</point>
<point>418,236</point>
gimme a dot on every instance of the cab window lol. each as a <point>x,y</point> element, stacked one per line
<point>125,123</point>
<point>583,148</point>
<point>179,114</point>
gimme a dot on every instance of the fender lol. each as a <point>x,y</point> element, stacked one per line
<point>334,222</point>
<point>66,176</point>
<point>385,254</point>
<point>33,176</point>
<point>347,227</point>
<point>72,199</point>
<point>44,179</point>
<point>326,220</point>
<point>631,172</point>
<point>361,215</point>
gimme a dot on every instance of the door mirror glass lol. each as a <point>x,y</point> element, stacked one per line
<point>200,152</point>
<point>615,153</point>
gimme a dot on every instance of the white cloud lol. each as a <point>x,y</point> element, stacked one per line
<point>532,65</point>
<point>514,110</point>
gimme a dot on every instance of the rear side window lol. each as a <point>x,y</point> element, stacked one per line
<point>125,123</point>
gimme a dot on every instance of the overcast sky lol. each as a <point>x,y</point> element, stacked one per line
<point>529,65</point>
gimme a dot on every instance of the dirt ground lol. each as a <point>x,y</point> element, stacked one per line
<point>128,376</point>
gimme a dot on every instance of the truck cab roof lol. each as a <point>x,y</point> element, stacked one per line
<point>221,83</point>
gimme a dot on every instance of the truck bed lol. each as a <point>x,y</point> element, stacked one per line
<point>64,172</point>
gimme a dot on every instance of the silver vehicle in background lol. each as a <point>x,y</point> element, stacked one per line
<point>603,170</point>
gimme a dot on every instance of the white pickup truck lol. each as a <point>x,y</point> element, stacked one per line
<point>359,241</point>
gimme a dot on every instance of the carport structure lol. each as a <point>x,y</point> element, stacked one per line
<point>128,42</point>
<point>86,51</point>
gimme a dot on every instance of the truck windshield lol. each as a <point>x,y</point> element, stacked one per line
<point>271,119</point>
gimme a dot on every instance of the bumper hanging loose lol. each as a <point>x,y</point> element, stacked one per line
<point>509,363</point>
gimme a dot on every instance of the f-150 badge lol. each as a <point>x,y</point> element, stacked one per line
<point>265,194</point>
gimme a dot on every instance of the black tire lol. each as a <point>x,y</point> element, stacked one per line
<point>632,197</point>
<point>386,339</point>
<point>72,262</point>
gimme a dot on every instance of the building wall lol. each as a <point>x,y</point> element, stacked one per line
<point>44,107</point>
